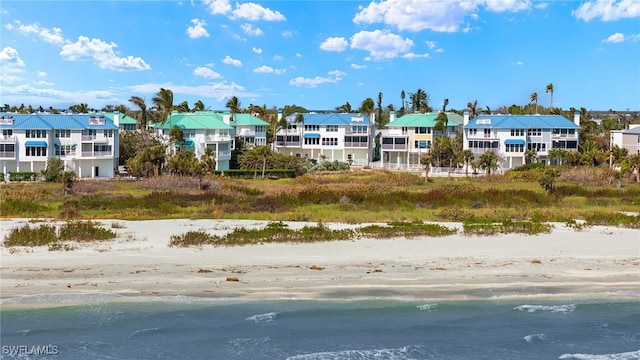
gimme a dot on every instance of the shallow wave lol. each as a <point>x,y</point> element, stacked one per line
<point>402,353</point>
<point>565,309</point>
<point>143,332</point>
<point>428,307</point>
<point>535,338</point>
<point>632,355</point>
<point>61,298</point>
<point>263,318</point>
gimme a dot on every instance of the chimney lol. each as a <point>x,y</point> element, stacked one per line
<point>226,118</point>
<point>576,118</point>
<point>392,116</point>
<point>116,118</point>
<point>466,118</point>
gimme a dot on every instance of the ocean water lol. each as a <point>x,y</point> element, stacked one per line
<point>191,328</point>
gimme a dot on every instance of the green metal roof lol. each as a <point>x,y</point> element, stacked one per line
<point>248,120</point>
<point>198,120</point>
<point>425,120</point>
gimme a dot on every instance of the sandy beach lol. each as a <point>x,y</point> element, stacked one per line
<point>594,262</point>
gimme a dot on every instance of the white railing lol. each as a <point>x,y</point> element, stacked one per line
<point>8,154</point>
<point>96,153</point>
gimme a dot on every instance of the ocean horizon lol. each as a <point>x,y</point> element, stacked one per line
<point>182,327</point>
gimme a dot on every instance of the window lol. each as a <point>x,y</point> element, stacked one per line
<point>312,141</point>
<point>517,132</point>
<point>423,130</point>
<point>65,150</point>
<point>102,149</point>
<point>7,148</point>
<point>332,128</point>
<point>189,134</point>
<point>312,128</point>
<point>474,144</point>
<point>292,127</point>
<point>329,141</point>
<point>359,129</point>
<point>535,132</point>
<point>36,134</point>
<point>537,146</point>
<point>63,133</point>
<point>261,128</point>
<point>36,151</point>
<point>108,133</point>
<point>404,130</point>
<point>514,148</point>
<point>422,144</point>
<point>487,133</point>
<point>473,131</point>
<point>7,132</point>
<point>223,132</point>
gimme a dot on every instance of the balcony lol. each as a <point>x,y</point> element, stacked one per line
<point>217,138</point>
<point>88,137</point>
<point>246,133</point>
<point>7,138</point>
<point>356,145</point>
<point>7,154</point>
<point>287,143</point>
<point>397,143</point>
<point>97,153</point>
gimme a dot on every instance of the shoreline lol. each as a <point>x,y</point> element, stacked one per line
<point>139,265</point>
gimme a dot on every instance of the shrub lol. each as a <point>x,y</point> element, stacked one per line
<point>191,238</point>
<point>492,227</point>
<point>22,176</point>
<point>405,229</point>
<point>84,231</point>
<point>27,236</point>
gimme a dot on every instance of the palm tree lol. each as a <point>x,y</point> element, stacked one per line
<point>208,160</point>
<point>379,108</point>
<point>143,117</point>
<point>367,106</point>
<point>467,157</point>
<point>426,160</point>
<point>176,135</point>
<point>445,104</point>
<point>81,108</point>
<point>488,161</point>
<point>198,106</point>
<point>163,101</point>
<point>441,123</point>
<point>420,101</point>
<point>402,96</point>
<point>473,108</point>
<point>530,156</point>
<point>549,89</point>
<point>558,155</point>
<point>534,98</point>
<point>632,162</point>
<point>233,104</point>
<point>346,108</point>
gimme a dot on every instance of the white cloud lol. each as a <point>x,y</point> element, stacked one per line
<point>10,64</point>
<point>288,33</point>
<point>231,61</point>
<point>518,63</point>
<point>412,56</point>
<point>431,44</point>
<point>35,95</point>
<point>634,37</point>
<point>542,5</point>
<point>44,83</point>
<point>334,77</point>
<point>334,44</point>
<point>8,26</point>
<point>102,53</point>
<point>42,74</point>
<point>254,12</point>
<point>206,73</point>
<point>218,6</point>
<point>615,38</point>
<point>607,10</point>
<point>436,15</point>
<point>358,67</point>
<point>298,55</point>
<point>250,30</point>
<point>269,70</point>
<point>257,50</point>
<point>197,30</point>
<point>52,36</point>
<point>381,44</point>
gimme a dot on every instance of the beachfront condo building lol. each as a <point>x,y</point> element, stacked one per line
<point>86,143</point>
<point>249,129</point>
<point>410,136</point>
<point>510,136</point>
<point>627,139</point>
<point>345,137</point>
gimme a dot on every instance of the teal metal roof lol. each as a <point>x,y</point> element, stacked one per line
<point>197,120</point>
<point>248,120</point>
<point>425,120</point>
<point>521,122</point>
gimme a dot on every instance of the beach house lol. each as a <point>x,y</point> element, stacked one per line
<point>200,130</point>
<point>249,129</point>
<point>345,137</point>
<point>627,139</point>
<point>510,136</point>
<point>410,136</point>
<point>86,143</point>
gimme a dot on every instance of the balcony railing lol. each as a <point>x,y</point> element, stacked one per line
<point>88,137</point>
<point>8,138</point>
<point>394,146</point>
<point>355,144</point>
<point>217,138</point>
<point>97,153</point>
<point>288,143</point>
<point>246,133</point>
<point>8,154</point>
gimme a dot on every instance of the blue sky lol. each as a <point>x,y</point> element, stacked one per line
<point>321,54</point>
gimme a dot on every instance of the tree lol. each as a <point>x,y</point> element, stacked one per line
<point>549,89</point>
<point>488,161</point>
<point>441,123</point>
<point>198,106</point>
<point>467,157</point>
<point>403,107</point>
<point>548,178</point>
<point>143,116</point>
<point>530,156</point>
<point>53,170</point>
<point>344,108</point>
<point>183,163</point>
<point>420,101</point>
<point>445,103</point>
<point>163,101</point>
<point>208,160</point>
<point>177,136</point>
<point>380,122</point>
<point>233,104</point>
<point>473,108</point>
<point>132,143</point>
<point>426,160</point>
<point>81,108</point>
<point>558,155</point>
<point>68,178</point>
<point>256,158</point>
<point>632,162</point>
<point>367,106</point>
<point>534,98</point>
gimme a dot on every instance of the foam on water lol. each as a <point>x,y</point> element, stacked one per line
<point>147,331</point>
<point>428,307</point>
<point>262,318</point>
<point>535,338</point>
<point>632,355</point>
<point>405,352</point>
<point>565,309</point>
